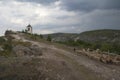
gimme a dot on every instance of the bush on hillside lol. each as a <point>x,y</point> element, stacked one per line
<point>49,38</point>
<point>2,40</point>
<point>41,36</point>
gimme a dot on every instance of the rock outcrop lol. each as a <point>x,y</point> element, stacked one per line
<point>27,51</point>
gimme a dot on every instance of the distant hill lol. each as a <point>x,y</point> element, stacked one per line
<point>89,36</point>
<point>111,36</point>
<point>62,37</point>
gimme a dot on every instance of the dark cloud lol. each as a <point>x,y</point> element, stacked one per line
<point>98,19</point>
<point>81,5</point>
<point>90,5</point>
<point>39,1</point>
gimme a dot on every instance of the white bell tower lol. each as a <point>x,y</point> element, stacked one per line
<point>29,29</point>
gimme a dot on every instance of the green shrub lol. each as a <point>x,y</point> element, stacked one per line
<point>106,47</point>
<point>49,38</point>
<point>2,40</point>
<point>7,46</point>
<point>27,44</point>
<point>7,49</point>
<point>116,48</point>
<point>41,36</point>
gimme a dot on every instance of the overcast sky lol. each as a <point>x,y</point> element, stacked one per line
<point>51,16</point>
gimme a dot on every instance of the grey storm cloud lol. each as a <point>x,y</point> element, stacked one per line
<point>81,5</point>
<point>39,1</point>
<point>90,5</point>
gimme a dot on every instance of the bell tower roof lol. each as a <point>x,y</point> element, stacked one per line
<point>29,25</point>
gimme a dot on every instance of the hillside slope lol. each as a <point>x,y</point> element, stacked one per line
<point>53,63</point>
<point>89,36</point>
<point>62,37</point>
<point>112,36</point>
<point>105,40</point>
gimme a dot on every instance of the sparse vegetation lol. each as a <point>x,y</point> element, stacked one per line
<point>26,44</point>
<point>6,46</point>
<point>49,38</point>
<point>2,40</point>
<point>36,37</point>
<point>41,36</point>
<point>107,47</point>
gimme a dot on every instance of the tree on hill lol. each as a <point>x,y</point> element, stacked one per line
<point>49,38</point>
<point>41,36</point>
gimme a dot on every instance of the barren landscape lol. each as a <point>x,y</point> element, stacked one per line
<point>54,63</point>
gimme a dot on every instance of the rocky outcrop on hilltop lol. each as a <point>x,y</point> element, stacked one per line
<point>13,45</point>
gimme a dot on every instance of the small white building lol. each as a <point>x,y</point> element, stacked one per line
<point>29,29</point>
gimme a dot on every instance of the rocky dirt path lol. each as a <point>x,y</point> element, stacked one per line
<point>75,67</point>
<point>109,72</point>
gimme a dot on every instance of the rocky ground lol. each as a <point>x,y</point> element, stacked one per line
<point>52,63</point>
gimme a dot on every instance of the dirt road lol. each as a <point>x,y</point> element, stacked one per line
<point>66,65</point>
